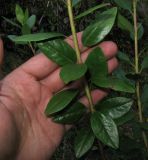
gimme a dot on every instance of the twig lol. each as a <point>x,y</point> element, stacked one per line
<point>75,39</point>
<point>137,70</point>
<point>31,47</point>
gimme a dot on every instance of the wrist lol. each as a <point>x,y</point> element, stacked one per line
<point>9,134</point>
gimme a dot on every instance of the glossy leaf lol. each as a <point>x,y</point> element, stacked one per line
<point>96,32</point>
<point>114,84</point>
<point>19,14</point>
<point>124,23</point>
<point>121,74</point>
<point>75,2</point>
<point>71,72</point>
<point>140,31</point>
<point>125,118</point>
<point>31,21</point>
<point>123,57</point>
<point>144,64</point>
<point>36,37</point>
<point>59,51</point>
<point>83,142</point>
<point>59,101</point>
<point>89,11</point>
<point>11,22</point>
<point>105,129</point>
<point>125,4</point>
<point>96,63</point>
<point>71,115</point>
<point>115,107</point>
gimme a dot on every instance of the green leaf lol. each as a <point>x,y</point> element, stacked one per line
<point>144,64</point>
<point>31,21</point>
<point>121,74</point>
<point>25,29</point>
<point>19,14</point>
<point>144,96</point>
<point>11,22</point>
<point>96,63</point>
<point>59,51</point>
<point>75,2</point>
<point>89,11</point>
<point>36,37</point>
<point>71,115</point>
<point>115,107</point>
<point>83,142</point>
<point>125,118</point>
<point>140,32</point>
<point>96,32</point>
<point>144,100</point>
<point>60,100</point>
<point>105,129</point>
<point>124,23</point>
<point>71,72</point>
<point>125,4</point>
<point>12,37</point>
<point>114,84</point>
<point>123,57</point>
<point>26,15</point>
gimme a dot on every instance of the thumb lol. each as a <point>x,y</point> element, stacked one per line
<point>1,52</point>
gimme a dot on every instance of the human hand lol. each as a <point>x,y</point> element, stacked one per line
<point>26,133</point>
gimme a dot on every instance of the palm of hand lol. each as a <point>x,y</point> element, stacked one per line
<point>25,93</point>
<point>39,136</point>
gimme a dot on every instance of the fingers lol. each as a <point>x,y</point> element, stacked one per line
<point>1,51</point>
<point>54,82</point>
<point>109,48</point>
<point>69,40</point>
<point>38,66</point>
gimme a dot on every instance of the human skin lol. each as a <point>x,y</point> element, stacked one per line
<point>25,132</point>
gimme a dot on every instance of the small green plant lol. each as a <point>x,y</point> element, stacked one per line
<point>63,106</point>
<point>137,66</point>
<point>106,119</point>
<point>25,24</point>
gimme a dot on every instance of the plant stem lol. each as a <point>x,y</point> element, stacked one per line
<point>78,53</point>
<point>137,70</point>
<point>31,47</point>
<point>136,36</point>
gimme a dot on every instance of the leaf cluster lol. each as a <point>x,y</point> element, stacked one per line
<point>102,121</point>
